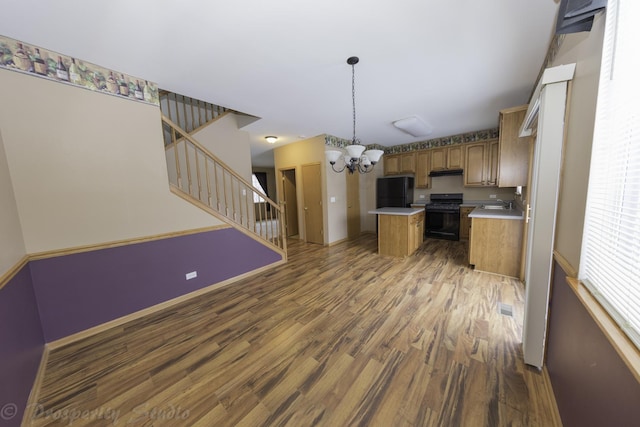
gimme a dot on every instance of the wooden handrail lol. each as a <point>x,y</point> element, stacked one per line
<point>224,191</point>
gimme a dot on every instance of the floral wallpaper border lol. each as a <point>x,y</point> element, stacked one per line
<point>40,62</point>
<point>463,138</point>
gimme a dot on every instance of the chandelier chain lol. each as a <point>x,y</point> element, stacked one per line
<point>353,99</point>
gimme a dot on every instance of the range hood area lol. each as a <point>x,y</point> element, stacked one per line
<point>446,172</point>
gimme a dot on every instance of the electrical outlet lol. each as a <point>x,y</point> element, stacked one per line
<point>192,275</point>
<point>332,199</point>
<point>421,196</point>
<point>492,196</point>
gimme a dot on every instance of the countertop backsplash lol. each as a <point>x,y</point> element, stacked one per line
<point>454,184</point>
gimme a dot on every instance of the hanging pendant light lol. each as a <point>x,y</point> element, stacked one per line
<point>356,158</point>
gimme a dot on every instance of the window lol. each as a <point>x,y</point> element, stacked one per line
<point>259,181</point>
<point>610,261</point>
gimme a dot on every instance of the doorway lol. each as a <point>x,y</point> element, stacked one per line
<point>290,202</point>
<point>312,194</point>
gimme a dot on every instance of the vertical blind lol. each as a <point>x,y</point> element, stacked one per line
<point>610,260</point>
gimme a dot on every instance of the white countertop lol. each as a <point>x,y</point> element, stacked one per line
<point>480,212</point>
<point>397,211</point>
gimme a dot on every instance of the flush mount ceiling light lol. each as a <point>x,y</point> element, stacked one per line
<point>414,126</point>
<point>356,158</point>
<point>271,139</point>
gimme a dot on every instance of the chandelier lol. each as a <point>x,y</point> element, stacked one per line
<point>356,158</point>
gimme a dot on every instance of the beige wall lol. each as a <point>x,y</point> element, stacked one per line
<point>585,49</point>
<point>86,167</point>
<point>293,156</point>
<point>12,247</point>
<point>229,144</point>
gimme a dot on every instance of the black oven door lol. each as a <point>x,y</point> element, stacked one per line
<point>442,224</point>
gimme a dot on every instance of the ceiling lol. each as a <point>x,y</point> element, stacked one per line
<point>453,63</point>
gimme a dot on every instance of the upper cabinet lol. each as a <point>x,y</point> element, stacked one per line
<point>391,164</point>
<point>514,151</point>
<point>447,158</point>
<point>481,164</point>
<point>408,162</point>
<point>423,162</point>
<point>399,163</point>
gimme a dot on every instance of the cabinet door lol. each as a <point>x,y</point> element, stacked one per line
<point>514,151</point>
<point>493,152</point>
<point>408,163</point>
<point>391,164</point>
<point>474,167</point>
<point>423,164</point>
<point>438,159</point>
<point>465,223</point>
<point>455,158</point>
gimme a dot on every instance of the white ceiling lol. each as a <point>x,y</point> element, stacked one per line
<point>454,63</point>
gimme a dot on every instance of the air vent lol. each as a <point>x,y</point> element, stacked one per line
<point>505,309</point>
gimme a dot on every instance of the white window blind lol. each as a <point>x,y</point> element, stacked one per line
<point>610,261</point>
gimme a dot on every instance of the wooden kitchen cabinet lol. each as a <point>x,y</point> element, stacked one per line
<point>391,164</point>
<point>423,163</point>
<point>481,164</point>
<point>408,162</point>
<point>447,158</point>
<point>513,150</point>
<point>455,157</point>
<point>395,164</point>
<point>400,235</point>
<point>494,245</point>
<point>465,222</point>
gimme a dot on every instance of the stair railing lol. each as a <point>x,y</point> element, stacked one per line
<point>200,177</point>
<point>189,113</point>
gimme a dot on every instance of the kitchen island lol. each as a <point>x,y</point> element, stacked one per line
<point>400,230</point>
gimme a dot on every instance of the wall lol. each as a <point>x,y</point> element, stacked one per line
<point>229,144</point>
<point>22,345</point>
<point>12,247</point>
<point>585,49</point>
<point>592,385</point>
<point>86,168</point>
<point>293,156</point>
<point>76,292</point>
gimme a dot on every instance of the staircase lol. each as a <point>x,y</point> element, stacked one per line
<point>198,176</point>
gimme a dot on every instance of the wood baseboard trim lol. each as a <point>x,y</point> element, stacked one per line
<point>337,242</point>
<point>53,345</point>
<point>125,242</point>
<point>10,274</point>
<point>32,401</point>
<point>551,396</point>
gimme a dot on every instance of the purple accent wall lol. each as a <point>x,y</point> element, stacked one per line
<point>592,385</point>
<point>21,346</point>
<point>80,291</point>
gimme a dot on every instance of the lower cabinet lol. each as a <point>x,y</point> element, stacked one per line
<point>495,244</point>
<point>400,235</point>
<point>465,222</point>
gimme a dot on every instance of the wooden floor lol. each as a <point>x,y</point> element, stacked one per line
<point>338,336</point>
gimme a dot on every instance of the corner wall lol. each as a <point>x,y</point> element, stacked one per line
<point>86,168</point>
<point>592,385</point>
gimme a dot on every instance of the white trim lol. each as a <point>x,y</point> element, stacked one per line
<point>558,74</point>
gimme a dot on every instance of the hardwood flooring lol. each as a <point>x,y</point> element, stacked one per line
<point>338,336</point>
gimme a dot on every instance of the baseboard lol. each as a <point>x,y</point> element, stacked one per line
<point>53,345</point>
<point>552,397</point>
<point>32,401</point>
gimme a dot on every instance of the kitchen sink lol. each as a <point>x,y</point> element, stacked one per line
<point>497,207</point>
